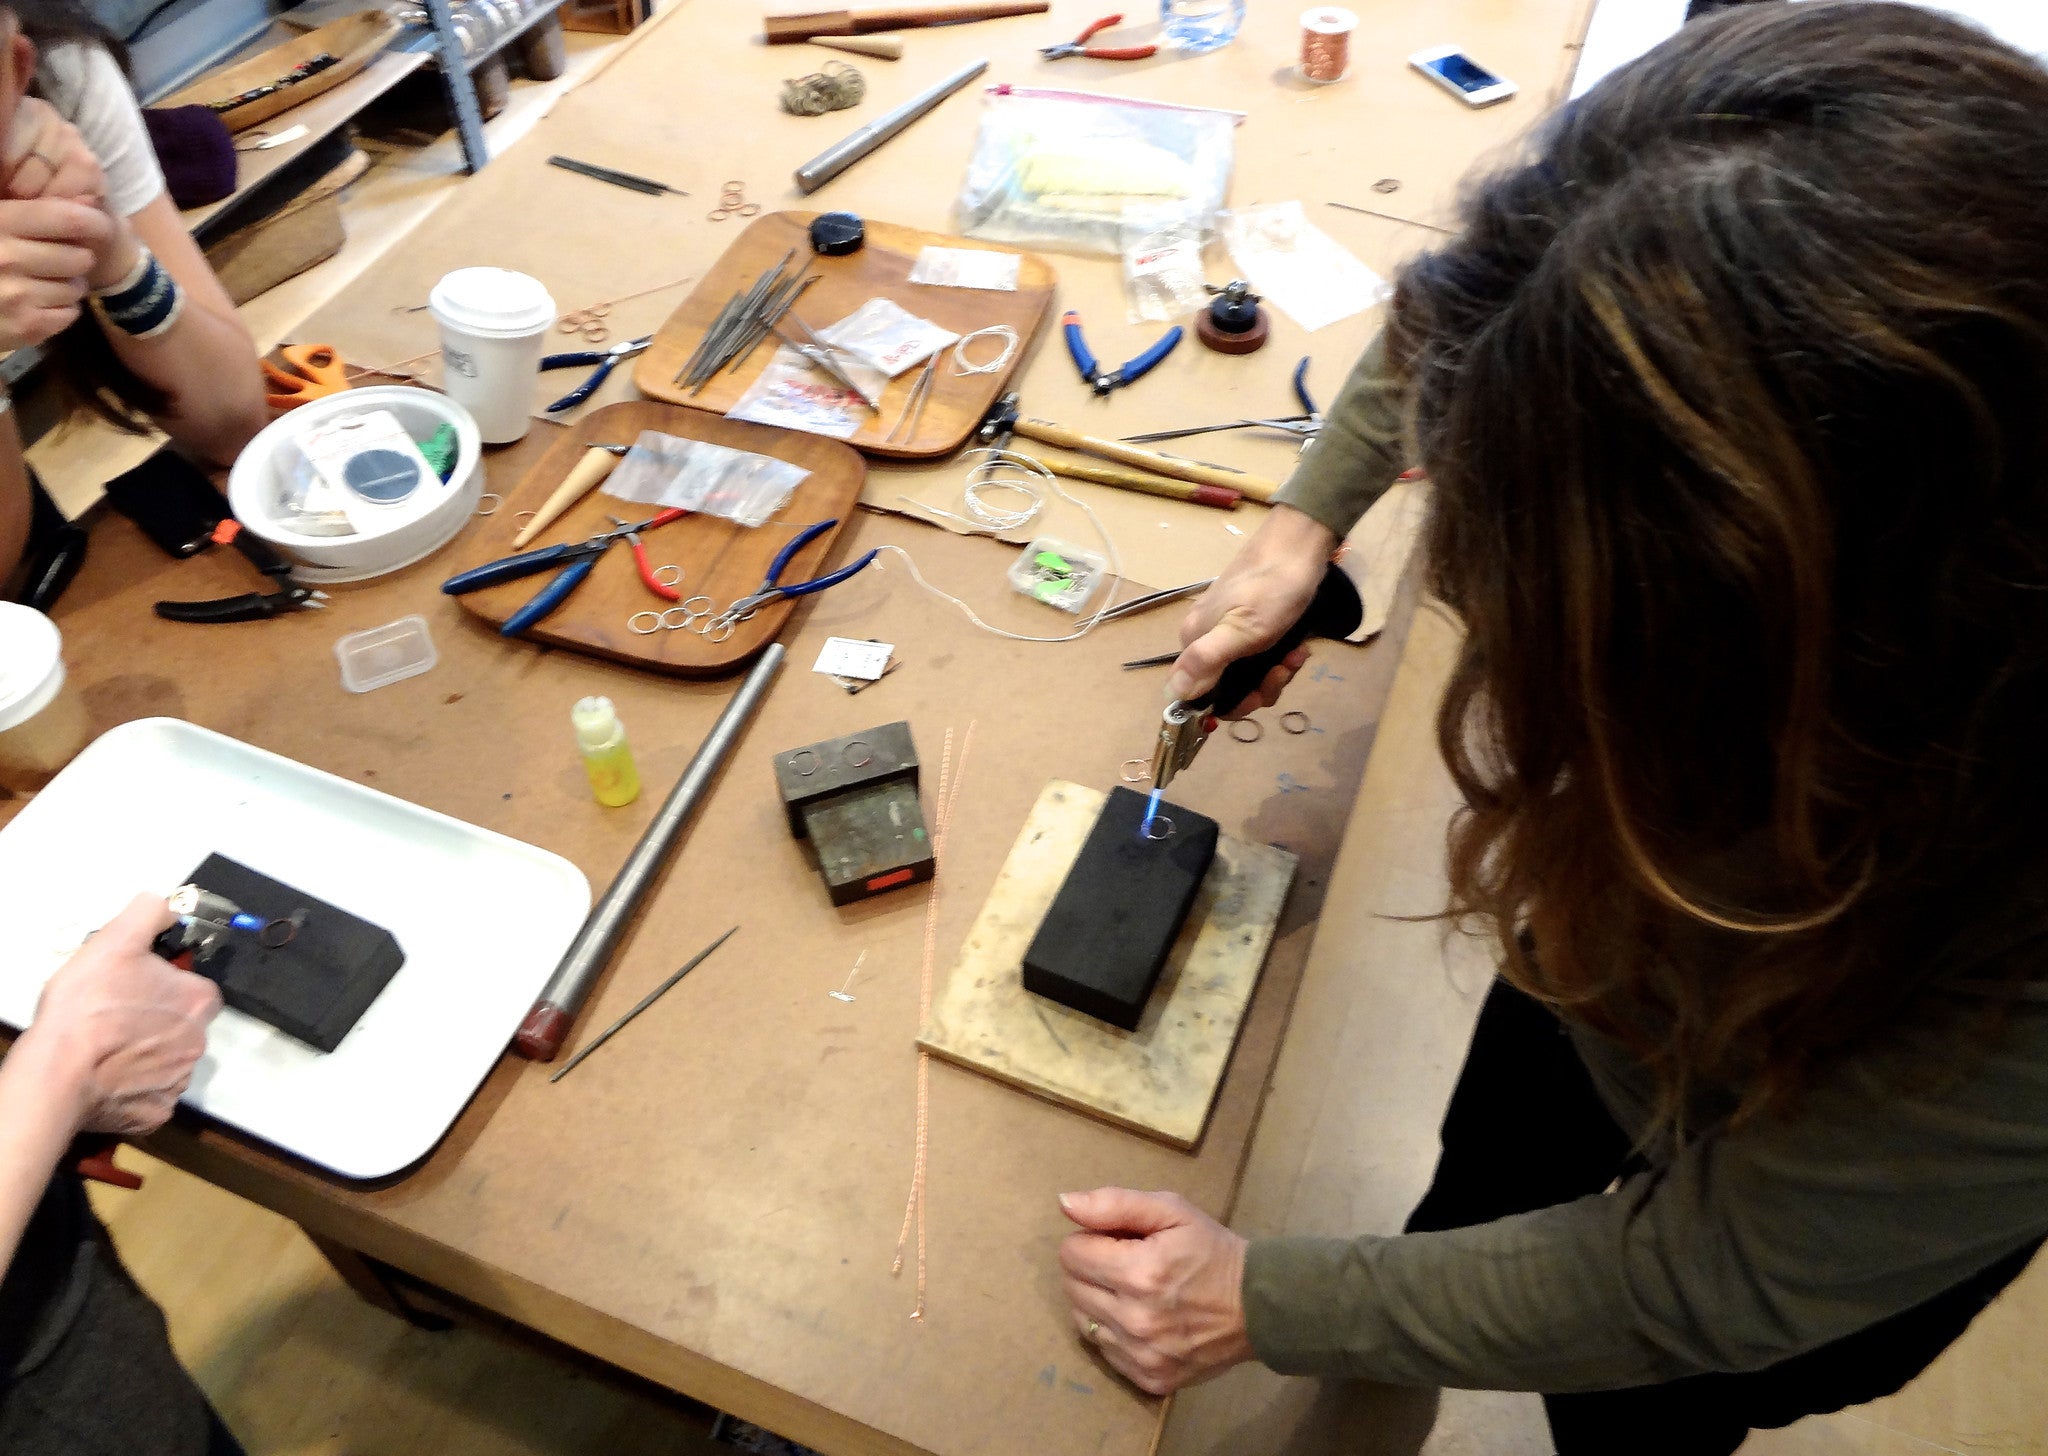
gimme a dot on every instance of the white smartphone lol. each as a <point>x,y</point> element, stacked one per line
<point>1462,76</point>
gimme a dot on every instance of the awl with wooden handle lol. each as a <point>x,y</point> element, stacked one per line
<point>587,474</point>
<point>785,29</point>
<point>1045,431</point>
<point>1224,497</point>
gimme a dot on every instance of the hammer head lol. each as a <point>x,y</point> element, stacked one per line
<point>1000,423</point>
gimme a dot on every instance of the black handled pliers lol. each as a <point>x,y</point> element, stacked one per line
<point>606,360</point>
<point>288,596</point>
<point>1092,373</point>
<point>1304,427</point>
<point>1079,46</point>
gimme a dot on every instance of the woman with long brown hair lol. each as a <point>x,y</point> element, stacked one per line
<point>1733,395</point>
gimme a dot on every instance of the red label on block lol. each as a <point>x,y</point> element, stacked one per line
<point>894,877</point>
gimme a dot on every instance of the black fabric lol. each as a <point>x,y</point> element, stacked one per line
<point>1526,1129</point>
<point>110,1386</point>
<point>46,1283</point>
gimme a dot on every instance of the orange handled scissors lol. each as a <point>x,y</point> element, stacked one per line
<point>316,371</point>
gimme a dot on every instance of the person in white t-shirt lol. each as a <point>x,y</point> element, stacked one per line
<point>89,241</point>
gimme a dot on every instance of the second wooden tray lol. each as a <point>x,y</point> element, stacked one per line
<point>881,269</point>
<point>720,559</point>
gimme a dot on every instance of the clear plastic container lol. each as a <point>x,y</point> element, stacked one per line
<point>1196,26</point>
<point>1058,574</point>
<point>380,656</point>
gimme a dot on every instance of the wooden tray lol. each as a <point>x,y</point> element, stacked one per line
<point>881,269</point>
<point>720,559</point>
<point>354,42</point>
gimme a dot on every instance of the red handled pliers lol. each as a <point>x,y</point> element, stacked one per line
<point>667,591</point>
<point>1079,46</point>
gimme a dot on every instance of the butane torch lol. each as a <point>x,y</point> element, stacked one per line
<point>1334,611</point>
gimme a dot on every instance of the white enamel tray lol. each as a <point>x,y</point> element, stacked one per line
<point>482,920</point>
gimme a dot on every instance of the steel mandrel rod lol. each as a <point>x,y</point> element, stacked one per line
<point>540,1036</point>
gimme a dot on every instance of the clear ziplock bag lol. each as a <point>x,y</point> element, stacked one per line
<point>1057,168</point>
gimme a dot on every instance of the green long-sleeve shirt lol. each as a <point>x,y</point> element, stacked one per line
<point>1360,451</point>
<point>1911,1166</point>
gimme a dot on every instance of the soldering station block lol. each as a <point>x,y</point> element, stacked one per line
<point>1105,938</point>
<point>855,798</point>
<point>316,987</point>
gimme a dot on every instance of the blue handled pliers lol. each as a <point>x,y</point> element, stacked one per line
<point>774,589</point>
<point>606,360</point>
<point>576,559</point>
<point>1092,373</point>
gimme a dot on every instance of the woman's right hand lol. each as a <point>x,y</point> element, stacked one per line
<point>53,229</point>
<point>1263,592</point>
<point>126,1027</point>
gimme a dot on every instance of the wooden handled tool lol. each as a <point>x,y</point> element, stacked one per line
<point>786,29</point>
<point>882,47</point>
<point>1045,431</point>
<point>1226,497</point>
<point>596,464</point>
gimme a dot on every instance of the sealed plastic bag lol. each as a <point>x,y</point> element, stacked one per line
<point>711,480</point>
<point>1162,244</point>
<point>1057,168</point>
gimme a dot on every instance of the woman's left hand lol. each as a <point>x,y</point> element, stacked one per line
<point>1156,1285</point>
<point>44,156</point>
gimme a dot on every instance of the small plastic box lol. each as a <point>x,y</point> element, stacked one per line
<point>1057,574</point>
<point>379,656</point>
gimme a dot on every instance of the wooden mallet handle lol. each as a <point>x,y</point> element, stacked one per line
<point>1125,479</point>
<point>785,29</point>
<point>1045,431</point>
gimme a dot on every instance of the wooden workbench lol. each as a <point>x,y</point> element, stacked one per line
<point>714,1200</point>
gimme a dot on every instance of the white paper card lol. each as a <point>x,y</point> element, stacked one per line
<point>850,657</point>
<point>967,268</point>
<point>1299,268</point>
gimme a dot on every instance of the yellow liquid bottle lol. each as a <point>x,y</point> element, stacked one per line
<point>601,738</point>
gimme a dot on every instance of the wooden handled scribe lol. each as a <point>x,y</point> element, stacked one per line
<point>1225,497</point>
<point>595,465</point>
<point>1045,431</point>
<point>787,29</point>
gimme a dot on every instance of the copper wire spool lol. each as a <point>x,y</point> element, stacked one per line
<point>1326,43</point>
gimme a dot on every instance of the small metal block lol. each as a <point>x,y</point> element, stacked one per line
<point>820,771</point>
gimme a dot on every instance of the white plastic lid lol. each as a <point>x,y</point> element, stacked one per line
<point>492,302</point>
<point>1329,20</point>
<point>596,723</point>
<point>31,663</point>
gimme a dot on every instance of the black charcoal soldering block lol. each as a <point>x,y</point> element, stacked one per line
<point>316,986</point>
<point>1105,938</point>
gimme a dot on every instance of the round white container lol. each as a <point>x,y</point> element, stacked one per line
<point>43,722</point>
<point>263,467</point>
<point>493,325</point>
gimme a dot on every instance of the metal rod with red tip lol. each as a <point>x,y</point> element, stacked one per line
<point>546,1027</point>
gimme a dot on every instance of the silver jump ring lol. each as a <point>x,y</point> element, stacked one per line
<point>494,498</point>
<point>1287,725</point>
<point>633,623</point>
<point>1258,730</point>
<point>687,618</point>
<point>1160,827</point>
<point>675,580</point>
<point>1143,767</point>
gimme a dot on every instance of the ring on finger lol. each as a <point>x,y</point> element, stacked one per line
<point>1094,1328</point>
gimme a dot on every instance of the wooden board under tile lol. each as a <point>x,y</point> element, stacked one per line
<point>881,269</point>
<point>1161,1079</point>
<point>720,559</point>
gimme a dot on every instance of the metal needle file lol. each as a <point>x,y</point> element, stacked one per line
<point>645,1001</point>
